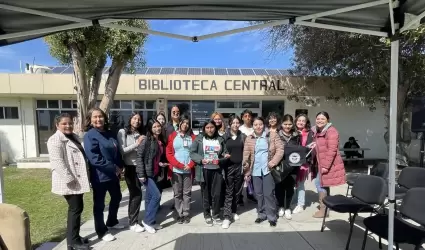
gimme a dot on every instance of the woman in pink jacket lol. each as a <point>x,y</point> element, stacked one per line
<point>329,169</point>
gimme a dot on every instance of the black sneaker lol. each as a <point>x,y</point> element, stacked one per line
<point>209,221</point>
<point>186,220</point>
<point>180,220</point>
<point>259,220</point>
<point>272,223</point>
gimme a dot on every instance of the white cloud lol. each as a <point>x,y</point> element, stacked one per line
<point>199,28</point>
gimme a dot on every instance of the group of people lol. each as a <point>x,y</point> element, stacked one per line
<point>221,158</point>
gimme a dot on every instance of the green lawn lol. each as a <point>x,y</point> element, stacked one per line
<point>30,190</point>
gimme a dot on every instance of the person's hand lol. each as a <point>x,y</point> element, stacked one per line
<point>143,180</point>
<point>226,156</point>
<point>118,170</point>
<point>269,165</point>
<point>205,161</point>
<point>245,165</point>
<point>186,168</point>
<point>311,145</point>
<point>140,139</point>
<point>324,171</point>
<point>247,177</point>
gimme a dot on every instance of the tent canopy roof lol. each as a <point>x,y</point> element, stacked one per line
<point>374,18</point>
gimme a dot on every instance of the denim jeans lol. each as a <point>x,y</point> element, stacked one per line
<point>301,193</point>
<point>152,200</point>
<point>319,187</point>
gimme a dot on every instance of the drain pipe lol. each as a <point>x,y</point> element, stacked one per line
<point>22,121</point>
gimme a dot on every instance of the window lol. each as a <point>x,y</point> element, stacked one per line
<point>301,111</point>
<point>272,106</point>
<point>47,110</point>
<point>226,105</point>
<point>9,113</point>
<point>201,112</point>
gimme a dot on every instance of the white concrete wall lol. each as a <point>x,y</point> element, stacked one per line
<point>366,126</point>
<point>18,136</point>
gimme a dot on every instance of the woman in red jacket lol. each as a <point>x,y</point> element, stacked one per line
<point>330,169</point>
<point>181,167</point>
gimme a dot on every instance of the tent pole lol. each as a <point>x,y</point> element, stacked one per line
<point>1,179</point>
<point>395,44</point>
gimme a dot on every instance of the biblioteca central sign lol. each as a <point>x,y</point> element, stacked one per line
<point>211,85</point>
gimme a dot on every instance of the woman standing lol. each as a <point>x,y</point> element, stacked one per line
<point>303,126</point>
<point>234,141</point>
<point>273,122</point>
<point>105,161</point>
<point>207,151</point>
<point>262,153</point>
<point>219,121</point>
<point>285,189</point>
<point>181,166</point>
<point>69,176</point>
<point>148,164</point>
<point>129,139</point>
<point>330,169</point>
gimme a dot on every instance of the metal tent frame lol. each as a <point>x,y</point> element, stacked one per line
<point>396,26</point>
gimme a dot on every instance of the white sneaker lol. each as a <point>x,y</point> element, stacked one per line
<point>117,226</point>
<point>148,228</point>
<point>288,215</point>
<point>108,237</point>
<point>235,217</point>
<point>157,227</point>
<point>281,212</point>
<point>226,224</point>
<point>298,209</point>
<point>137,228</point>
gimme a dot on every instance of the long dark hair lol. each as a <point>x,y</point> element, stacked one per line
<point>211,121</point>
<point>149,133</point>
<point>140,129</point>
<point>183,118</point>
<point>286,118</point>
<point>87,123</point>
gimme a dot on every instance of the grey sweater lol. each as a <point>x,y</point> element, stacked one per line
<point>128,146</point>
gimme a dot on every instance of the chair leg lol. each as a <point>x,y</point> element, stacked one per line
<point>364,239</point>
<point>380,243</point>
<point>417,247</point>
<point>348,189</point>
<point>396,246</point>
<point>324,218</point>
<point>351,231</point>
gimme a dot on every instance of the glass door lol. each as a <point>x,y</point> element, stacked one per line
<point>238,111</point>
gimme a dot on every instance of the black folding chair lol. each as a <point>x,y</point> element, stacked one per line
<point>412,207</point>
<point>380,169</point>
<point>368,195</point>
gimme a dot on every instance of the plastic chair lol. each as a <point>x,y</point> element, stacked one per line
<point>412,208</point>
<point>380,169</point>
<point>368,192</point>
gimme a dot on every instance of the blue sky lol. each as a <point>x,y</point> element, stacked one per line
<point>246,50</point>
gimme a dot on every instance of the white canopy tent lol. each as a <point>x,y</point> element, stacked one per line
<point>22,20</point>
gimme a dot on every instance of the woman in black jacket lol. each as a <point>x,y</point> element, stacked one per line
<point>208,151</point>
<point>148,168</point>
<point>285,190</point>
<point>234,140</point>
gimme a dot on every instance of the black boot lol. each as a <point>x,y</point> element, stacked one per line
<point>78,246</point>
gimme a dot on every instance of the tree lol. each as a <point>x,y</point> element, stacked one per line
<point>87,50</point>
<point>359,68</point>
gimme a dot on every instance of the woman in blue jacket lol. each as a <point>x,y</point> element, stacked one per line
<point>105,162</point>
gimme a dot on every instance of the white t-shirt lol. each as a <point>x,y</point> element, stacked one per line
<point>246,131</point>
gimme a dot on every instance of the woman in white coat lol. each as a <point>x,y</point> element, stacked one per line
<point>69,176</point>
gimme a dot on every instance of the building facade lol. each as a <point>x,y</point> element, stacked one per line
<point>30,102</point>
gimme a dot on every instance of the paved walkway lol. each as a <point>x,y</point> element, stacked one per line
<point>300,233</point>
